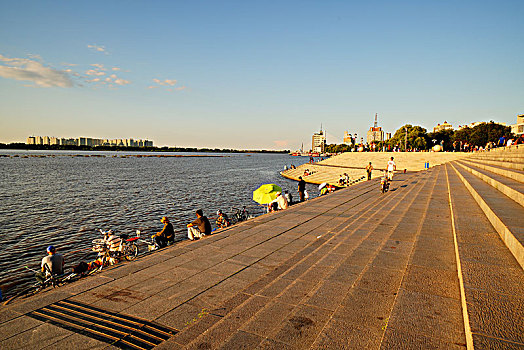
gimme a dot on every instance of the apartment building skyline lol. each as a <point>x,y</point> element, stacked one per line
<point>87,141</point>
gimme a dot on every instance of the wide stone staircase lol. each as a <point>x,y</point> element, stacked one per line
<point>424,266</point>
<point>487,192</point>
<point>496,181</point>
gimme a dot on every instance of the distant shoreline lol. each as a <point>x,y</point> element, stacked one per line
<point>24,146</point>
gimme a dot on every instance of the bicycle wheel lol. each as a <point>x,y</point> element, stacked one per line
<point>130,251</point>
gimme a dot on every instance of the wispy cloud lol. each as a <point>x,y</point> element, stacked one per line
<point>35,57</point>
<point>168,84</point>
<point>98,48</point>
<point>122,82</point>
<point>95,72</point>
<point>25,69</point>
<point>98,65</point>
<point>165,82</point>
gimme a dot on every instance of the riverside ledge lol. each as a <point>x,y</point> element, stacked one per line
<point>417,267</point>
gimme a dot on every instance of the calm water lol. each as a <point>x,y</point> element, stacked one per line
<point>63,199</point>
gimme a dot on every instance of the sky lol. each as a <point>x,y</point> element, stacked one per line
<point>255,74</point>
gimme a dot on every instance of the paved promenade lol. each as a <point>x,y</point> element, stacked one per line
<point>419,267</point>
<point>354,164</point>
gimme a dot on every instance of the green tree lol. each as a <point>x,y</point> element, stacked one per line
<point>483,133</point>
<point>445,137</point>
<point>333,148</point>
<point>417,137</point>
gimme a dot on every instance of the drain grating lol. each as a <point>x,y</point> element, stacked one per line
<point>125,332</point>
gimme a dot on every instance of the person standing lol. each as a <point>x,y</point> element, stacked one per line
<point>301,188</point>
<point>391,168</point>
<point>51,264</point>
<point>369,169</point>
<point>200,227</point>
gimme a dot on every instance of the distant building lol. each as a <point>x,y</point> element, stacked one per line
<point>443,126</point>
<point>375,133</point>
<point>388,136</point>
<point>318,143</point>
<point>348,139</point>
<point>87,141</point>
<point>518,129</point>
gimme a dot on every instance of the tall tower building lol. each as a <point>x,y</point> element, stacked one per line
<point>375,133</point>
<point>318,143</point>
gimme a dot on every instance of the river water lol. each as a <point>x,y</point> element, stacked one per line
<point>63,197</point>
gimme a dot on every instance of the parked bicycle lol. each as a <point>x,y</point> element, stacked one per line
<point>124,248</point>
<point>239,215</point>
<point>51,280</point>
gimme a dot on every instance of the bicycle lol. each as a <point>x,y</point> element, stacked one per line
<point>50,280</point>
<point>127,247</point>
<point>239,215</point>
<point>384,185</point>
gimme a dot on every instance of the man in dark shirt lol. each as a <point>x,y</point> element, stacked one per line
<point>301,188</point>
<point>200,227</point>
<point>167,235</point>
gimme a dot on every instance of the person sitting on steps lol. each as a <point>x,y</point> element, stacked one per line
<point>51,264</point>
<point>200,227</point>
<point>222,220</point>
<point>167,235</point>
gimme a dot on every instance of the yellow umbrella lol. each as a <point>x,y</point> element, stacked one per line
<point>266,193</point>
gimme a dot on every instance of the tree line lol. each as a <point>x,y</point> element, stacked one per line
<point>419,139</point>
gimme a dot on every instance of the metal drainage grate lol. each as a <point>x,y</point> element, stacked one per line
<point>125,332</point>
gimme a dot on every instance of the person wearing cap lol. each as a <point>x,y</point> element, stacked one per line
<point>222,219</point>
<point>53,263</point>
<point>280,202</point>
<point>200,227</point>
<point>167,235</point>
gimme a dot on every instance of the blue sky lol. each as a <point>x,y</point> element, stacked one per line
<point>255,75</point>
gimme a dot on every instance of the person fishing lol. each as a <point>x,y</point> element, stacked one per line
<point>53,263</point>
<point>222,220</point>
<point>167,235</point>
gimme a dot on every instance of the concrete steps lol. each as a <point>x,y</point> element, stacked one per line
<point>308,292</point>
<point>500,169</point>
<point>492,279</point>
<point>499,191</point>
<point>321,173</point>
<point>355,269</point>
<point>509,164</point>
<point>511,188</point>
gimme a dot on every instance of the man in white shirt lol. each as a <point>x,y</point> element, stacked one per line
<point>391,168</point>
<point>281,201</point>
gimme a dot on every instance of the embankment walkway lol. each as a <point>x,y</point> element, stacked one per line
<point>418,267</point>
<point>354,164</point>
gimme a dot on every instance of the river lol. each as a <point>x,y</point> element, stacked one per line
<point>63,197</point>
